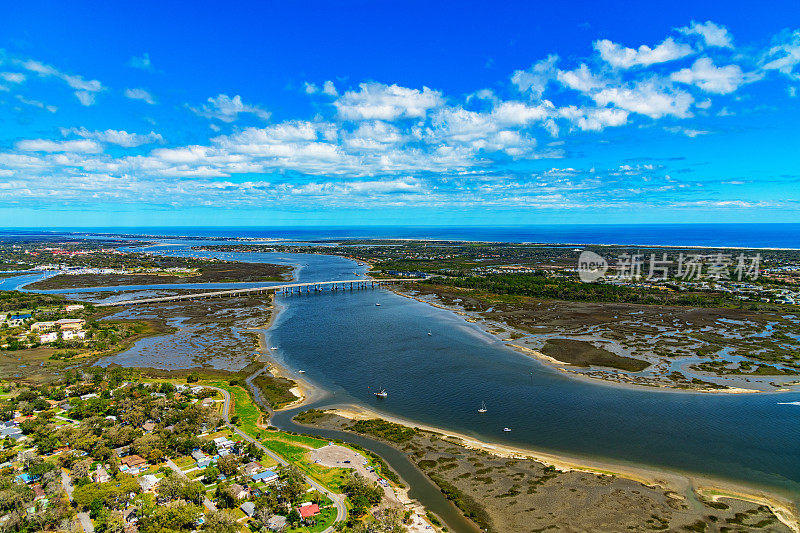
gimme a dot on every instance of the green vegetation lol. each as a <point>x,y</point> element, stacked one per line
<point>471,508</point>
<point>548,286</point>
<point>385,430</point>
<point>276,390</point>
<point>582,353</point>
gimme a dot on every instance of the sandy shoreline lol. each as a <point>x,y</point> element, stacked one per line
<point>474,318</point>
<point>681,484</point>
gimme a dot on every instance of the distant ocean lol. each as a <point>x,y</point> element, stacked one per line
<point>710,235</point>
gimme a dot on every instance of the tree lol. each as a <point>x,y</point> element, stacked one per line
<point>175,487</point>
<point>220,522</point>
<point>228,465</point>
<point>210,474</point>
<point>293,517</point>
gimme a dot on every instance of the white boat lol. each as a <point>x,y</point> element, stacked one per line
<point>301,371</point>
<point>377,305</point>
<point>273,348</point>
<point>381,394</point>
<point>483,407</point>
<point>506,429</point>
<point>429,333</point>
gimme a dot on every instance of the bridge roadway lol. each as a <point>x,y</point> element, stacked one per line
<point>285,288</point>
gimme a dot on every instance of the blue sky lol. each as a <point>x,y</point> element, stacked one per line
<point>398,113</point>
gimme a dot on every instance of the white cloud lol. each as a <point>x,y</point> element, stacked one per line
<point>600,118</point>
<point>141,62</point>
<point>785,55</point>
<point>83,146</point>
<point>619,56</point>
<point>12,77</point>
<point>580,79</point>
<point>84,89</point>
<point>710,78</point>
<point>36,103</point>
<point>535,79</point>
<point>650,98</point>
<point>140,94</point>
<point>119,137</point>
<point>86,98</point>
<point>519,114</point>
<point>387,102</point>
<point>228,109</point>
<point>310,88</point>
<point>685,131</point>
<point>712,34</point>
<point>329,88</point>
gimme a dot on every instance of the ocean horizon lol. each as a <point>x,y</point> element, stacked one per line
<point>746,235</point>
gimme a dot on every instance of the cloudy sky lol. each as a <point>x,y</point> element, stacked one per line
<point>398,113</point>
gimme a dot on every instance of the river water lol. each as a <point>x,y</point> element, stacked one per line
<point>350,346</point>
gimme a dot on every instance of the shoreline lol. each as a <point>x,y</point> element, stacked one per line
<point>680,483</point>
<point>553,363</point>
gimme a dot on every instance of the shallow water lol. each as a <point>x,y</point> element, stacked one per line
<point>349,345</point>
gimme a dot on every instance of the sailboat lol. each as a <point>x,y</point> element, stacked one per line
<point>483,407</point>
<point>382,393</point>
<point>429,333</point>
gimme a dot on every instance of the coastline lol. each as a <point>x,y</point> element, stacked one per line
<point>484,325</point>
<point>682,484</point>
<point>679,483</point>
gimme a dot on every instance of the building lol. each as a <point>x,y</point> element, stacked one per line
<point>276,523</point>
<point>70,335</point>
<point>252,468</point>
<point>147,427</point>
<point>267,476</point>
<point>132,464</point>
<point>249,508</point>
<point>46,338</point>
<point>43,326</point>
<point>223,443</point>
<point>308,510</point>
<point>73,307</point>
<point>70,323</point>
<point>101,475</point>
<point>239,492</point>
<point>147,482</point>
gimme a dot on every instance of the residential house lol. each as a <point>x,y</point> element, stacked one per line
<point>101,475</point>
<point>147,427</point>
<point>147,482</point>
<point>267,476</point>
<point>239,492</point>
<point>122,451</point>
<point>276,523</point>
<point>252,468</point>
<point>223,443</point>
<point>308,510</point>
<point>132,464</point>
<point>249,508</point>
<point>73,307</point>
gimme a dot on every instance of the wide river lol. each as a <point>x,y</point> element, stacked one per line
<point>349,346</point>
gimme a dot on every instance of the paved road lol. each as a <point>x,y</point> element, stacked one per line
<point>338,500</point>
<point>86,521</point>
<point>206,501</point>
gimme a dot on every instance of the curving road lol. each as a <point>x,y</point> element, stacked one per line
<point>338,499</point>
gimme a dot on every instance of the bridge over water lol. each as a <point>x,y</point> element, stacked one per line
<point>287,288</point>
